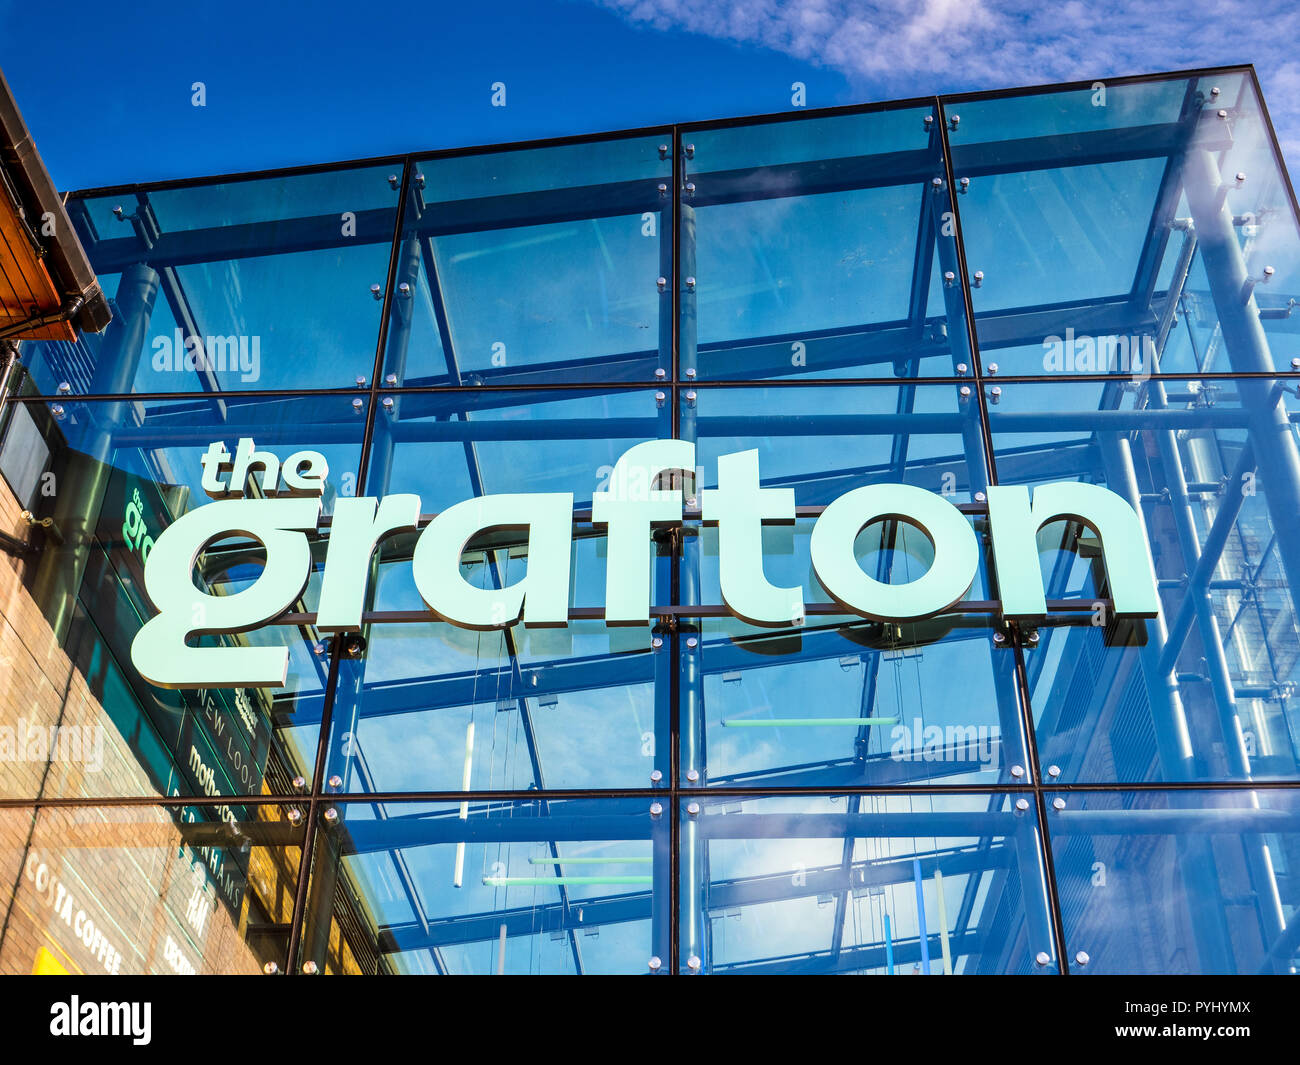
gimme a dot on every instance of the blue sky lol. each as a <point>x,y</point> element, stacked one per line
<point>106,89</point>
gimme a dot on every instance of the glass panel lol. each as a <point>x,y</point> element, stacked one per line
<point>81,720</point>
<point>820,248</point>
<point>1176,882</point>
<point>1128,229</point>
<point>143,889</point>
<point>221,287</point>
<point>578,886</point>
<point>764,706</point>
<point>535,266</point>
<point>1207,690</point>
<point>449,446</point>
<point>436,708</point>
<point>923,884</point>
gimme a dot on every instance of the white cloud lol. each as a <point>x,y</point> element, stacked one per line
<point>898,48</point>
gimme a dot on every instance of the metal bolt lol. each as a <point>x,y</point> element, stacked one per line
<point>336,781</point>
<point>690,372</point>
<point>294,816</point>
<point>690,284</point>
<point>663,151</point>
<point>660,374</point>
<point>1022,805</point>
<point>954,122</point>
<point>692,642</point>
<point>1017,771</point>
<point>390,379</point>
<point>978,279</point>
<point>1215,91</point>
<point>659,398</point>
<point>1082,958</point>
<point>1268,272</point>
<point>948,278</point>
<point>57,410</point>
<point>929,122</point>
<point>331,815</point>
<point>361,381</point>
<point>936,183</point>
<point>299,783</point>
<point>964,391</point>
<point>388,404</point>
<point>419,180</point>
<point>964,183</point>
<point>117,211</point>
<point>980,497</point>
<point>995,393</point>
<point>1241,177</point>
<point>663,189</point>
<point>64,388</point>
<point>1042,958</point>
<point>691,502</point>
<point>993,367</point>
<point>693,963</point>
<point>392,181</point>
<point>690,151</point>
<point>961,369</point>
<point>1295,363</point>
<point>1053,771</point>
<point>656,776</point>
<point>999,638</point>
<point>357,404</point>
<point>693,809</point>
<point>656,809</point>
<point>690,188</point>
<point>270,968</point>
<point>662,283</point>
<point>655,964</point>
<point>377,292</point>
<point>310,968</point>
<point>318,648</point>
<point>404,290</point>
<point>693,775</point>
<point>690,399</point>
<point>1058,803</point>
<point>1223,114</point>
<point>657,642</point>
<point>1032,637</point>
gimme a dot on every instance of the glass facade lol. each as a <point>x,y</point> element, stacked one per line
<point>1086,283</point>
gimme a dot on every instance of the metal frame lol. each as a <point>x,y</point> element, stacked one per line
<point>679,669</point>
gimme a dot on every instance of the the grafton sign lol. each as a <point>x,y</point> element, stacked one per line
<point>646,491</point>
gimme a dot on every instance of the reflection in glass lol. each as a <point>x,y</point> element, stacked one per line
<point>892,885</point>
<point>483,887</point>
<point>1177,882</point>
<point>142,889</point>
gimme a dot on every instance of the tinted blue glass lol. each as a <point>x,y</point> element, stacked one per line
<point>922,884</point>
<point>819,248</point>
<point>528,266</point>
<point>507,888</point>
<point>89,467</point>
<point>230,286</point>
<point>1128,229</point>
<point>838,699</point>
<point>1176,882</point>
<point>1205,691</point>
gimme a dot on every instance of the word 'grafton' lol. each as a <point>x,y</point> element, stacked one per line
<point>635,503</point>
